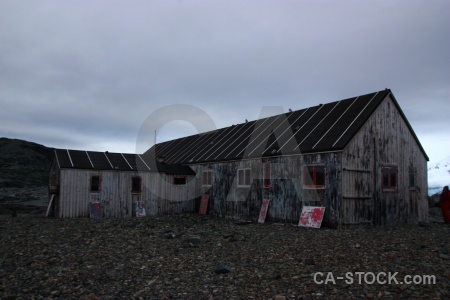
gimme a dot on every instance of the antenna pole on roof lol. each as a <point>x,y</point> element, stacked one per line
<point>155,138</point>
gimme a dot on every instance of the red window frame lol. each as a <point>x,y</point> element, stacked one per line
<point>179,180</point>
<point>134,188</point>
<point>99,184</point>
<point>389,178</point>
<point>311,176</point>
<point>266,175</point>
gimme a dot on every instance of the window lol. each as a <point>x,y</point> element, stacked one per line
<point>243,177</point>
<point>412,179</point>
<point>314,177</point>
<point>390,177</point>
<point>207,178</point>
<point>95,183</point>
<point>266,175</point>
<point>136,185</point>
<point>179,180</point>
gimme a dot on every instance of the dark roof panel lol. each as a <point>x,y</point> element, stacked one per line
<point>218,142</point>
<point>99,160</point>
<point>80,159</point>
<point>308,132</point>
<point>367,105</point>
<point>335,121</point>
<point>63,159</point>
<point>196,146</point>
<point>233,144</point>
<point>77,159</point>
<point>328,127</point>
<point>118,161</point>
<point>131,160</point>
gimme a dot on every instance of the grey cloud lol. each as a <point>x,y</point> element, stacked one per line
<point>97,69</point>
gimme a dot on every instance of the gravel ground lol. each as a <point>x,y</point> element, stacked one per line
<point>202,257</point>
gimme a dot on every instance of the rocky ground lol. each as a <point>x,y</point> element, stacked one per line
<point>194,257</point>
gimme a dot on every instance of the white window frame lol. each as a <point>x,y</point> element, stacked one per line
<point>246,181</point>
<point>207,178</point>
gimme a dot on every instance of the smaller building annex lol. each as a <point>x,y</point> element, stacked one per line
<point>357,157</point>
<point>118,181</point>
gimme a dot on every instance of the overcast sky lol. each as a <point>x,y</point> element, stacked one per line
<point>88,74</point>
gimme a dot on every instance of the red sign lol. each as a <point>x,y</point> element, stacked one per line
<point>95,209</point>
<point>204,204</point>
<point>311,216</point>
<point>263,212</point>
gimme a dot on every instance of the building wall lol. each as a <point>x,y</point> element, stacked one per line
<point>287,193</point>
<point>384,140</point>
<point>159,194</point>
<point>353,193</point>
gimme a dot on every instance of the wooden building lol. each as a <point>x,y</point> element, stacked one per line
<point>117,182</point>
<point>358,157</point>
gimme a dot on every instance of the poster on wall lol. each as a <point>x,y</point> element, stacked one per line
<point>139,209</point>
<point>311,216</point>
<point>203,204</point>
<point>95,210</point>
<point>263,212</point>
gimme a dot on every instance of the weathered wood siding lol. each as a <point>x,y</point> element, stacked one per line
<point>160,196</point>
<point>286,193</point>
<point>384,140</point>
<point>352,194</point>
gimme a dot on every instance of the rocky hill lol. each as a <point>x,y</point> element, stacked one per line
<point>24,168</point>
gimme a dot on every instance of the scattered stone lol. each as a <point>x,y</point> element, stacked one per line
<point>91,296</point>
<point>222,268</point>
<point>277,276</point>
<point>130,258</point>
<point>422,224</point>
<point>169,236</point>
<point>243,222</point>
<point>194,240</point>
<point>444,256</point>
<point>229,238</point>
<point>279,297</point>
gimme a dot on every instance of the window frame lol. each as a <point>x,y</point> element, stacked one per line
<point>207,178</point>
<point>99,183</point>
<point>412,183</point>
<point>133,185</point>
<point>175,178</point>
<point>390,186</point>
<point>313,184</point>
<point>267,172</point>
<point>246,182</point>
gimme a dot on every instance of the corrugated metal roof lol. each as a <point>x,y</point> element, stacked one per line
<point>327,127</point>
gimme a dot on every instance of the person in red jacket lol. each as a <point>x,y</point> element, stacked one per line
<point>444,202</point>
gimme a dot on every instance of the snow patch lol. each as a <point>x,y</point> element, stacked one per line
<point>438,175</point>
